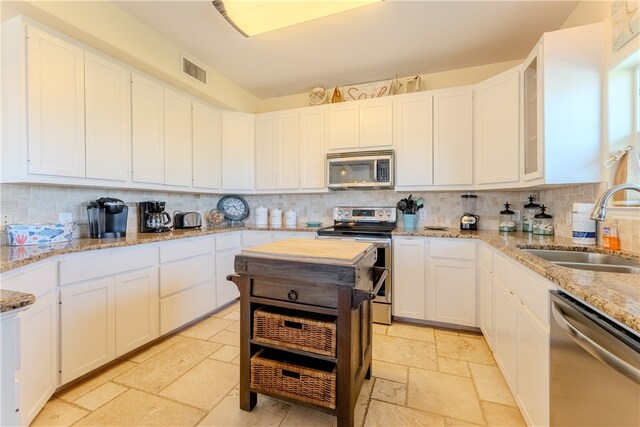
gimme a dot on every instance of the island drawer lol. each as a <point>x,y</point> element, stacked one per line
<point>323,296</point>
<point>297,377</point>
<point>310,332</point>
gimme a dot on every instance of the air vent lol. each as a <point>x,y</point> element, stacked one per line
<point>193,70</point>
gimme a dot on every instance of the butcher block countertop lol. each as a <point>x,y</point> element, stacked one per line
<point>314,251</point>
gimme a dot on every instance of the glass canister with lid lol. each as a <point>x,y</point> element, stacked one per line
<point>543,223</point>
<point>507,219</point>
<point>530,210</point>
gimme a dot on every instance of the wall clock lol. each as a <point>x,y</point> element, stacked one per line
<point>234,208</point>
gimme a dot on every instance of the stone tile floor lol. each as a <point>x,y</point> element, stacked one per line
<point>422,376</point>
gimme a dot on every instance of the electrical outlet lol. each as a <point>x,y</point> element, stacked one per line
<point>423,213</point>
<point>7,219</point>
<point>65,217</point>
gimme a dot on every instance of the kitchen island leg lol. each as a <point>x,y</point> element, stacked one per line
<point>248,399</point>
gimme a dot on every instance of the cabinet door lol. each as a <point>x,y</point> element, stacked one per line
<point>136,300</point>
<point>237,151</point>
<point>497,128</point>
<point>312,149</point>
<point>409,278</point>
<point>87,327</point>
<point>485,287</point>
<point>533,368</point>
<point>147,130</point>
<point>376,123</point>
<point>38,375</point>
<point>505,326</point>
<point>287,151</point>
<point>451,292</point>
<point>226,291</point>
<point>108,119</point>
<point>177,139</point>
<point>452,137</point>
<point>207,147</point>
<point>413,128</point>
<point>532,139</point>
<point>266,147</point>
<point>55,104</point>
<point>343,126</point>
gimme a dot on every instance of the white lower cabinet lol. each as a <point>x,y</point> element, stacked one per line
<point>505,343</point>
<point>227,247</point>
<point>108,307</point>
<point>434,280</point>
<point>485,303</point>
<point>187,281</point>
<point>37,377</point>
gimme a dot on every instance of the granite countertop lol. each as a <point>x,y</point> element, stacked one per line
<point>615,294</point>
<point>12,300</point>
<point>12,257</point>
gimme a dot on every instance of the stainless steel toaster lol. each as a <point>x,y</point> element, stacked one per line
<point>187,220</point>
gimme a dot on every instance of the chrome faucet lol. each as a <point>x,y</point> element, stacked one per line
<point>600,211</point>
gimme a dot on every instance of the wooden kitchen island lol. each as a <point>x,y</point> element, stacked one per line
<point>305,326</point>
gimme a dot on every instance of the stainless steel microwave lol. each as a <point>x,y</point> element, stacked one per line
<point>361,170</point>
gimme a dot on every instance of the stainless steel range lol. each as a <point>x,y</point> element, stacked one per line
<point>373,225</point>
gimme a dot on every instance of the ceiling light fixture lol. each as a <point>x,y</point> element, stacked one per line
<point>252,17</point>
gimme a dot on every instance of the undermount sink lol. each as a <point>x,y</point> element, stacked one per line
<point>587,260</point>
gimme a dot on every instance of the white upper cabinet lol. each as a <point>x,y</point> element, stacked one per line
<point>207,146</point>
<point>312,148</point>
<point>55,103</point>
<point>266,151</point>
<point>147,130</point>
<point>360,125</point>
<point>497,129</point>
<point>238,144</point>
<point>562,107</point>
<point>177,139</point>
<point>376,123</point>
<point>452,137</point>
<point>287,151</point>
<point>108,119</point>
<point>413,128</point>
<point>343,126</point>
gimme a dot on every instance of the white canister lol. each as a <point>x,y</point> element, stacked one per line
<point>291,218</point>
<point>276,218</point>
<point>262,216</point>
<point>584,228</point>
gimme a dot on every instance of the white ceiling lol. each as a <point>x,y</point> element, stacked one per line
<point>375,42</point>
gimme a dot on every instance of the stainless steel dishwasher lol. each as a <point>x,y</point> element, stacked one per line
<point>595,367</point>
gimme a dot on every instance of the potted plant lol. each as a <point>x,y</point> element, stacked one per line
<point>409,208</point>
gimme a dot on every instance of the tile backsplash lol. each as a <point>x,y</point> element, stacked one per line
<point>36,203</point>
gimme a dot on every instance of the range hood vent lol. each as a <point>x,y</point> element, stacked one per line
<point>193,70</point>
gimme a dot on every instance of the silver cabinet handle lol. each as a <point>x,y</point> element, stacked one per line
<point>594,348</point>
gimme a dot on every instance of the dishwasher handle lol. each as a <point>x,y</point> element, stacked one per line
<point>593,348</point>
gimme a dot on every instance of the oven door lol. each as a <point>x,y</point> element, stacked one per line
<point>383,246</point>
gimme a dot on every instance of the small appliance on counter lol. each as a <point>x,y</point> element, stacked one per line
<point>185,220</point>
<point>152,217</point>
<point>107,218</point>
<point>469,220</point>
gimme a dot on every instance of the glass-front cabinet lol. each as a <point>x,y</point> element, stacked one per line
<point>532,112</point>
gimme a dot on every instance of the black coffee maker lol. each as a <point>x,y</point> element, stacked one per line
<point>107,218</point>
<point>152,218</point>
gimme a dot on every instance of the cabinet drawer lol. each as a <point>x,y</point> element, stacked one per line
<point>183,307</point>
<point>450,248</point>
<point>323,296</point>
<point>255,238</point>
<point>36,280</point>
<point>227,242</point>
<point>106,263</point>
<point>186,248</point>
<point>185,273</point>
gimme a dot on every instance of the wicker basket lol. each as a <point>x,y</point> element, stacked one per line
<point>300,331</point>
<point>289,375</point>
